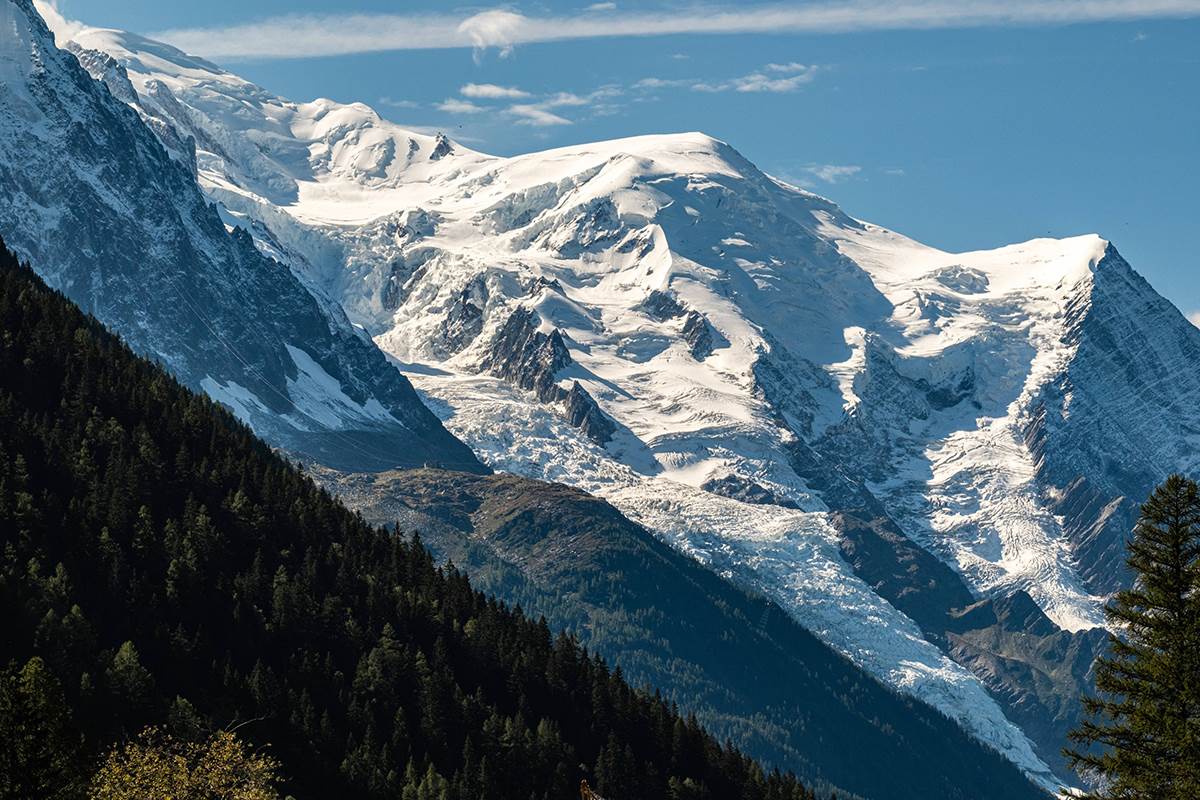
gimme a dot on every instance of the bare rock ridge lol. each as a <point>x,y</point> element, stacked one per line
<point>531,359</point>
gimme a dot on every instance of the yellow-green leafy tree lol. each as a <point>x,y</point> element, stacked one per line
<point>156,765</point>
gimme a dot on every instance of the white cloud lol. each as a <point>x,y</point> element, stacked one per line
<point>490,91</point>
<point>300,35</point>
<point>398,103</point>
<point>833,173</point>
<point>63,29</point>
<point>536,115</point>
<point>598,102</point>
<point>602,7</point>
<point>497,29</point>
<point>453,105</point>
<point>771,78</point>
<point>663,83</point>
<point>560,99</point>
<point>1194,318</point>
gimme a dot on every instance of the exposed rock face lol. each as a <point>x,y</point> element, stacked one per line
<point>583,413</point>
<point>1036,670</point>
<point>747,491</point>
<point>526,356</point>
<point>662,306</point>
<point>531,359</point>
<point>104,213</point>
<point>921,586</point>
<point>464,319</point>
<point>105,69</point>
<point>442,148</point>
<point>1102,449</point>
<point>698,335</point>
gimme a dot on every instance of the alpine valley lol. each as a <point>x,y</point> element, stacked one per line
<point>928,461</point>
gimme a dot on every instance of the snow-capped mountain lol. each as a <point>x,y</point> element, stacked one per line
<point>94,201</point>
<point>931,459</point>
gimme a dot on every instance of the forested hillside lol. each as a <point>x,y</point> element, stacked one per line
<point>738,661</point>
<point>170,569</point>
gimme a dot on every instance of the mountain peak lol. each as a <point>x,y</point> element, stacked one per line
<point>124,231</point>
<point>25,43</point>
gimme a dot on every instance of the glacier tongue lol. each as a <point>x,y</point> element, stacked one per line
<point>731,360</point>
<point>791,556</point>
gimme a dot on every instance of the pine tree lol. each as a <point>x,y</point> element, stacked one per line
<point>38,749</point>
<point>1142,738</point>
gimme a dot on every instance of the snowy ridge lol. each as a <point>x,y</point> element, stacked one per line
<point>106,215</point>
<point>744,339</point>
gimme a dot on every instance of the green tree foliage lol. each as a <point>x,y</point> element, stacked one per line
<point>167,565</point>
<point>1142,738</point>
<point>39,748</point>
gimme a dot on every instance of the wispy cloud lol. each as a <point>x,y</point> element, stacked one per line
<point>832,173</point>
<point>454,105</point>
<point>602,7</point>
<point>392,102</point>
<point>302,35</point>
<point>664,83</point>
<point>536,115</point>
<point>490,91</point>
<point>63,29</point>
<point>790,67</point>
<point>771,78</point>
<point>540,114</point>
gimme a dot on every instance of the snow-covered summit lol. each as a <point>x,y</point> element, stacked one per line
<point>321,160</point>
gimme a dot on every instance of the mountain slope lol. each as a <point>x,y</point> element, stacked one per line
<point>169,568</point>
<point>254,315</point>
<point>92,193</point>
<point>770,686</point>
<point>878,435</point>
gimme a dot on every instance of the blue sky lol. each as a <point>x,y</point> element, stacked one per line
<point>964,124</point>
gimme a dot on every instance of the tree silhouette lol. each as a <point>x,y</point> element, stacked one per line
<point>1142,738</point>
